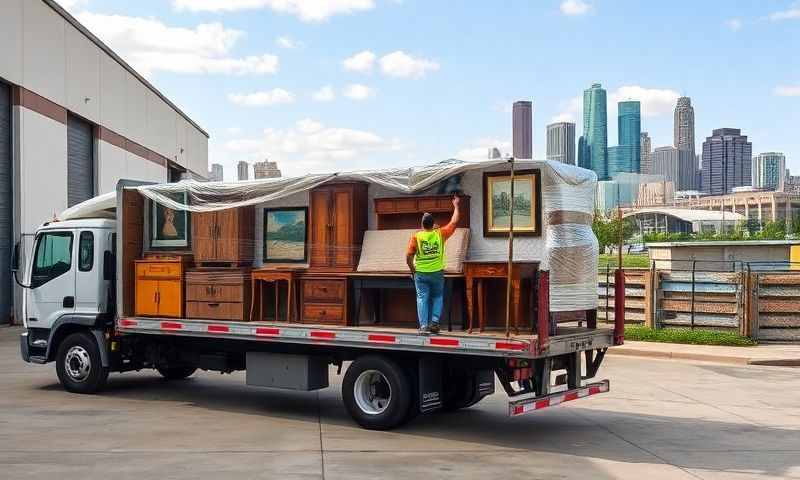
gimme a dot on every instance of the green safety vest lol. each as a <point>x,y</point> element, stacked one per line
<point>430,251</point>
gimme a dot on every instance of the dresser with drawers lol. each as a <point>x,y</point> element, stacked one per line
<point>218,293</point>
<point>323,299</point>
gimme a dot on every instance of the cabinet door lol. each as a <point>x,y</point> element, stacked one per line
<point>146,299</point>
<point>203,236</point>
<point>227,238</point>
<point>320,221</point>
<point>170,298</point>
<point>342,243</point>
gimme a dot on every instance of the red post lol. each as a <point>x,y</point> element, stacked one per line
<point>543,322</point>
<point>619,307</point>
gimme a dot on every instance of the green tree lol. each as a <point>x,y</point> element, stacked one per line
<point>607,230</point>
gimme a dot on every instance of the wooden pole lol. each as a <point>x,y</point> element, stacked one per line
<point>510,251</point>
<point>619,236</point>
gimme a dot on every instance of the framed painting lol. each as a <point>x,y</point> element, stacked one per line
<point>169,229</point>
<point>497,203</point>
<point>285,234</point>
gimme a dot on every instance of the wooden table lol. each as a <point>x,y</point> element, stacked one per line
<point>397,280</point>
<point>273,275</point>
<point>480,270</point>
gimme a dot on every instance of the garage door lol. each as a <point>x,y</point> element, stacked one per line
<point>5,203</point>
<point>80,166</point>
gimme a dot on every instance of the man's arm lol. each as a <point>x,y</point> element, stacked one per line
<point>410,262</point>
<point>411,252</point>
<point>450,228</point>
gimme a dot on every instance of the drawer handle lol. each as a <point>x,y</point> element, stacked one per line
<point>157,269</point>
<point>322,312</point>
<point>213,305</point>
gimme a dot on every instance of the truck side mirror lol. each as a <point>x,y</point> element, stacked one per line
<point>109,266</point>
<point>15,258</point>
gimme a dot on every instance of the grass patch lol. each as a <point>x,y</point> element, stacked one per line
<point>684,335</point>
<point>629,261</point>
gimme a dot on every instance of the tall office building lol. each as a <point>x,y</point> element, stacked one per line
<point>769,171</point>
<point>645,145</point>
<point>522,129</point>
<point>676,166</point>
<point>625,156</point>
<point>561,142</point>
<point>242,170</point>
<point>593,145</point>
<point>266,169</point>
<point>215,174</point>
<point>727,161</point>
<point>683,137</point>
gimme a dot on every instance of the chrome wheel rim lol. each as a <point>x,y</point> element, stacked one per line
<point>77,363</point>
<point>372,391</point>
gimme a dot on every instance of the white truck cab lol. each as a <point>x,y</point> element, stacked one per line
<point>68,286</point>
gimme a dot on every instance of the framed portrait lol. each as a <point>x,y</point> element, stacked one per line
<point>169,229</point>
<point>285,234</point>
<point>497,203</point>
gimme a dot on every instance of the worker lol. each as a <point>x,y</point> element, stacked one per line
<point>425,259</point>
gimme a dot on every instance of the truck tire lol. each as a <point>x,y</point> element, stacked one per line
<point>377,393</point>
<point>78,364</point>
<point>176,373</point>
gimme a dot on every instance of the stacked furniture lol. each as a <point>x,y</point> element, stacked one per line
<point>159,285</point>
<point>218,293</point>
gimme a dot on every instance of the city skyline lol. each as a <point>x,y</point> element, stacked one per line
<point>347,89</point>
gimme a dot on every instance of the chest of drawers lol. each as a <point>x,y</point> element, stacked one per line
<point>218,293</point>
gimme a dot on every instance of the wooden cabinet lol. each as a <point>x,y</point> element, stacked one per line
<point>218,294</point>
<point>394,213</point>
<point>224,236</point>
<point>159,288</point>
<point>324,300</point>
<point>338,220</point>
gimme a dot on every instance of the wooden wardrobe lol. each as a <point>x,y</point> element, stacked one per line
<point>224,237</point>
<point>338,220</point>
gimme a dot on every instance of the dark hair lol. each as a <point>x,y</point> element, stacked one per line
<point>427,221</point>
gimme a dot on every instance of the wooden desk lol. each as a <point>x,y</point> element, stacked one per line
<point>273,275</point>
<point>480,270</point>
<point>397,280</point>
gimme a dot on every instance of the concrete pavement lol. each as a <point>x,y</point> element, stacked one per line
<point>767,354</point>
<point>661,420</point>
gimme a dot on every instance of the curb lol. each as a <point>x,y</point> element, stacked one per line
<point>705,357</point>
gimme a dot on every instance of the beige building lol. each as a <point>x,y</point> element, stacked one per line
<point>74,119</point>
<point>754,205</point>
<point>655,193</point>
<point>266,169</point>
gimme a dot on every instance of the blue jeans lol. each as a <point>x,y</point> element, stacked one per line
<point>430,297</point>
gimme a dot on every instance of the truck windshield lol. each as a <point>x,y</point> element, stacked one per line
<point>53,257</point>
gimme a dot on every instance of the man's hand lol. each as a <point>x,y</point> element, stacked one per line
<point>456,201</point>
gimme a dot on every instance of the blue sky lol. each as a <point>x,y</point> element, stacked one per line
<point>325,85</point>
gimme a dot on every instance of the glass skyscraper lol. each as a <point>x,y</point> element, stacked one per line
<point>593,144</point>
<point>626,156</point>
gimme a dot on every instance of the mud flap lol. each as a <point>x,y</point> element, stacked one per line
<point>430,384</point>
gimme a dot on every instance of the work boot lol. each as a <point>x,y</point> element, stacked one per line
<point>424,331</point>
<point>434,328</point>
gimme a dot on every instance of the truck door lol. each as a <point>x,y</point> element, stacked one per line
<point>89,287</point>
<point>52,279</point>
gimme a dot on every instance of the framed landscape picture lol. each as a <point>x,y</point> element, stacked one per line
<point>285,234</point>
<point>169,229</point>
<point>497,203</point>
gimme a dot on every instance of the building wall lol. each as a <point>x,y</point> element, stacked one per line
<point>561,142</point>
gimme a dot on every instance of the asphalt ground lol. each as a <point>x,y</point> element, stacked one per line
<point>663,419</point>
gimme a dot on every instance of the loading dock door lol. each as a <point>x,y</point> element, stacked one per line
<point>80,160</point>
<point>6,209</point>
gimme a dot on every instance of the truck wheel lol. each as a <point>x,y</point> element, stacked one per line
<point>377,393</point>
<point>176,373</point>
<point>78,364</point>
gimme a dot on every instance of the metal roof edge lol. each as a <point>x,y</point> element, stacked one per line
<point>75,23</point>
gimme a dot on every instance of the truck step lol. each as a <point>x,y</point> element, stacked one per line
<point>527,405</point>
<point>38,359</point>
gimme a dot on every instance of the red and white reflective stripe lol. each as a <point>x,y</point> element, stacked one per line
<point>339,335</point>
<point>520,407</point>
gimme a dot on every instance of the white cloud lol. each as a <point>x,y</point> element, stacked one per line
<point>233,131</point>
<point>791,13</point>
<point>734,24</point>
<point>654,101</point>
<point>276,96</point>
<point>568,111</point>
<point>357,91</point>
<point>575,7</point>
<point>361,62</point>
<point>150,45</point>
<point>400,64</point>
<point>787,91</point>
<point>324,94</point>
<point>479,149</point>
<point>287,42</point>
<point>305,10</point>
<point>309,146</point>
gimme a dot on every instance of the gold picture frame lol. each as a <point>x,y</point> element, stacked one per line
<point>527,203</point>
